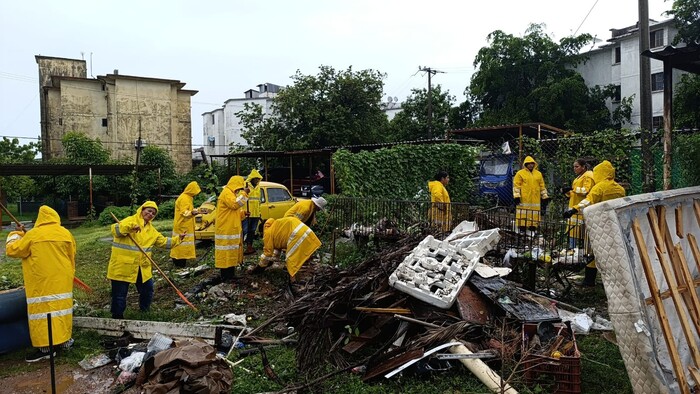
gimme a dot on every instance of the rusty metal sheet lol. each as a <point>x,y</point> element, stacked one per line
<point>471,306</point>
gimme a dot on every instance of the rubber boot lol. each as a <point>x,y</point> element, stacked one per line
<point>249,249</point>
<point>589,275</point>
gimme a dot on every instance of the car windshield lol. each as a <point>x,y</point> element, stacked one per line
<point>275,194</point>
<point>494,166</point>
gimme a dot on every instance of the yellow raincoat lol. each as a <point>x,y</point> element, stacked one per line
<point>126,258</point>
<point>605,188</point>
<point>228,241</point>
<point>579,189</point>
<point>184,223</point>
<point>530,188</point>
<point>253,205</point>
<point>302,210</point>
<point>48,265</point>
<point>440,212</point>
<point>291,235</point>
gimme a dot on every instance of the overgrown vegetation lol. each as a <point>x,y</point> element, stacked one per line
<point>403,172</point>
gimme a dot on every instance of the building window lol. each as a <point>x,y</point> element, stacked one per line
<point>213,119</point>
<point>657,82</point>
<point>618,55</point>
<point>60,121</point>
<point>617,95</point>
<point>656,38</point>
<point>657,123</point>
<point>104,122</point>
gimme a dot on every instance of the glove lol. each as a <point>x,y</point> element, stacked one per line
<point>544,204</point>
<point>14,236</point>
<point>565,190</point>
<point>571,212</point>
<point>516,200</point>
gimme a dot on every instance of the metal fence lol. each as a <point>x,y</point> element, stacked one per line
<point>393,218</point>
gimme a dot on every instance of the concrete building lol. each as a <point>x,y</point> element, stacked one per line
<point>115,109</point>
<point>222,127</point>
<point>617,63</point>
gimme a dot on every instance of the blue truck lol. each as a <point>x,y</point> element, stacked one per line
<point>496,177</point>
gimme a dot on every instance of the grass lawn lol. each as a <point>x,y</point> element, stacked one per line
<point>260,298</point>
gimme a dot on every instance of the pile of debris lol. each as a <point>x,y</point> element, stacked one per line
<point>422,299</point>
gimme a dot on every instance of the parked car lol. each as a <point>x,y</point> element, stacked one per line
<point>496,178</point>
<point>275,200</point>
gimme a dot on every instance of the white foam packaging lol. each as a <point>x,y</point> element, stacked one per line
<point>434,272</point>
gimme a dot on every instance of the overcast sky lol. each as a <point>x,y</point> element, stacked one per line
<point>222,48</point>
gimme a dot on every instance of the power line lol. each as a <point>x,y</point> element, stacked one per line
<point>430,72</point>
<point>585,17</point>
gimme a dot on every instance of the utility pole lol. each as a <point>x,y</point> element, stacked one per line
<point>430,72</point>
<point>645,122</point>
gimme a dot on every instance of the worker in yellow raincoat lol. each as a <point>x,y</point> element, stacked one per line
<point>605,189</point>
<point>440,209</point>
<point>228,242</point>
<point>576,193</point>
<point>48,265</point>
<point>183,223</point>
<point>529,195</point>
<point>127,264</point>
<point>305,210</point>
<point>288,234</point>
<point>250,223</point>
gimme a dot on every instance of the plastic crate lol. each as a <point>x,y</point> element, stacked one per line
<point>563,374</point>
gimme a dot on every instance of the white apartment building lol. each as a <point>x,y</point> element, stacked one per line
<point>222,127</point>
<point>617,63</point>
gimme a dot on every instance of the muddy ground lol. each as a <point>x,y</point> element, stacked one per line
<point>69,380</point>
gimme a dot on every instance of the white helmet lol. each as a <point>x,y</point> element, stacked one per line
<point>320,202</point>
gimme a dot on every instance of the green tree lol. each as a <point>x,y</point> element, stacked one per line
<point>148,186</point>
<point>316,111</point>
<point>413,122</point>
<point>687,16</point>
<point>532,79</point>
<point>686,102</point>
<point>258,129</point>
<point>11,152</point>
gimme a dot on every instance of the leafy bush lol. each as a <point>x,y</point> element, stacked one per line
<point>403,172</point>
<point>166,210</point>
<point>120,212</point>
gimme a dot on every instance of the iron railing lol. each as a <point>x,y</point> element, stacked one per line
<point>393,218</point>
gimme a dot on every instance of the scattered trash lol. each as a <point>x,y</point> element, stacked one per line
<point>96,361</point>
<point>158,343</point>
<point>133,362</point>
<point>233,318</point>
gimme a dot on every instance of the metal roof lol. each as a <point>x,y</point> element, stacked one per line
<point>512,131</point>
<point>69,169</point>
<point>685,58</point>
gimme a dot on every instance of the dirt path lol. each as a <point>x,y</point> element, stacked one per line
<point>68,381</point>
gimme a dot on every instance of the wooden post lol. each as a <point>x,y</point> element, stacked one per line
<point>668,122</point>
<point>660,310</point>
<point>662,237</point>
<point>679,221</point>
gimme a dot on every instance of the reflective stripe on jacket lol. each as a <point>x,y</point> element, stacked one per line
<point>302,210</point>
<point>126,258</point>
<point>228,244</point>
<point>253,205</point>
<point>530,188</point>
<point>291,235</point>
<point>184,223</point>
<point>48,265</point>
